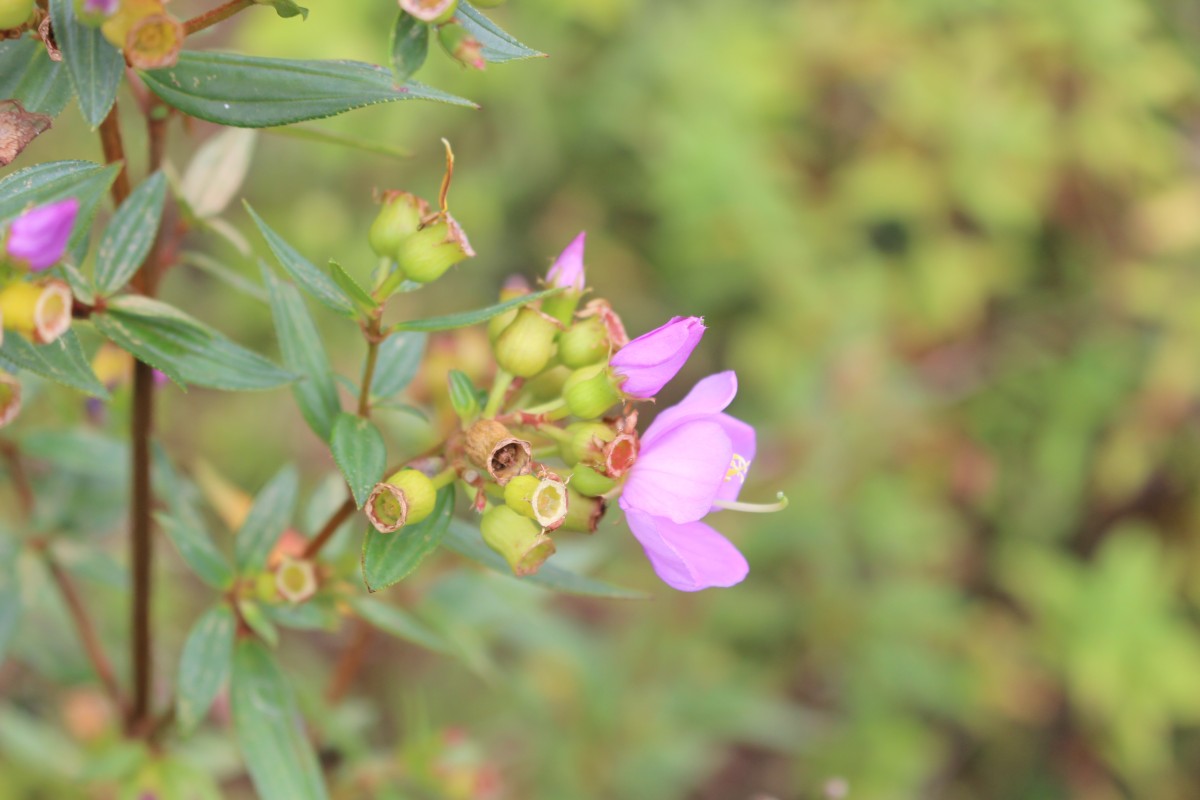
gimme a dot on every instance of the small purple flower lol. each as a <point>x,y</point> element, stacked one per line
<point>646,364</point>
<point>693,458</point>
<point>105,7</point>
<point>567,270</point>
<point>39,236</point>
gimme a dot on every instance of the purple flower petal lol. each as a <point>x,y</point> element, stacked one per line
<point>105,7</point>
<point>648,362</point>
<point>39,236</point>
<point>680,476</point>
<point>689,556</point>
<point>567,270</point>
<point>710,396</point>
<point>744,441</point>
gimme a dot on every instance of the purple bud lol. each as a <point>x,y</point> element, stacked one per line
<point>105,7</point>
<point>39,236</point>
<point>646,364</point>
<point>567,270</point>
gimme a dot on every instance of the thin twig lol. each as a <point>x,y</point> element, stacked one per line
<point>83,624</point>
<point>114,153</point>
<point>20,480</point>
<point>351,661</point>
<point>331,526</point>
<point>215,15</point>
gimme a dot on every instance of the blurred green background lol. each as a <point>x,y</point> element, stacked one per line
<point>950,248</point>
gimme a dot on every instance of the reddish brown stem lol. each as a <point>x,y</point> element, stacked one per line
<point>215,15</point>
<point>114,152</point>
<point>20,480</point>
<point>83,624</point>
<point>351,661</point>
<point>331,526</point>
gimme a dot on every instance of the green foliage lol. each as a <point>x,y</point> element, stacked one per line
<point>268,725</point>
<point>410,46</point>
<point>388,558</point>
<point>129,235</point>
<point>467,318</point>
<point>28,74</point>
<point>204,665</point>
<point>360,453</point>
<point>253,92</point>
<point>266,520</point>
<point>95,66</point>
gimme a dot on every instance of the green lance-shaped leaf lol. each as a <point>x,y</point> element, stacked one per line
<point>465,540</point>
<point>462,320</point>
<point>304,353</point>
<point>360,454</point>
<point>185,528</point>
<point>217,171</point>
<point>29,76</point>
<point>129,235</point>
<point>185,349</point>
<point>286,8</point>
<point>398,362</point>
<point>399,623</point>
<point>464,397</point>
<point>270,730</point>
<point>63,360</point>
<point>389,557</point>
<point>204,665</point>
<point>95,65</point>
<point>255,616</point>
<point>270,514</point>
<point>252,92</point>
<point>410,46</point>
<point>497,45</point>
<point>312,280</point>
<point>55,180</point>
<point>358,295</point>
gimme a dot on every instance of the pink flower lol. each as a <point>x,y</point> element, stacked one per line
<point>646,364</point>
<point>567,270</point>
<point>693,458</point>
<point>105,7</point>
<point>39,236</point>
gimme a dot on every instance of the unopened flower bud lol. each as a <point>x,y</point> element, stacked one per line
<point>518,539</point>
<point>566,273</point>
<point>406,498</point>
<point>10,398</point>
<point>590,391</point>
<point>492,448</point>
<point>584,343</point>
<point>14,13</point>
<point>41,311</point>
<point>645,365</point>
<point>38,238</point>
<point>527,344</point>
<point>589,481</point>
<point>585,441</point>
<point>543,500</point>
<point>399,218</point>
<point>461,45</point>
<point>548,385</point>
<point>427,254</point>
<point>583,512</point>
<point>296,581</point>
<point>430,10</point>
<point>98,8</point>
<point>514,287</point>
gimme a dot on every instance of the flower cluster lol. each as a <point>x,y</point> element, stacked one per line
<point>558,439</point>
<point>32,305</point>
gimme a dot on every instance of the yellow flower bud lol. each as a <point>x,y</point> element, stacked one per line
<point>527,344</point>
<point>41,311</point>
<point>518,539</point>
<point>406,498</point>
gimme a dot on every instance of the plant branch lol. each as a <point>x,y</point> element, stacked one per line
<point>350,663</point>
<point>114,153</point>
<point>83,624</point>
<point>20,480</point>
<point>330,527</point>
<point>215,15</point>
<point>374,337</point>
